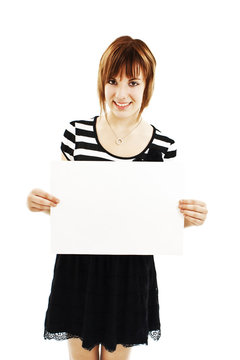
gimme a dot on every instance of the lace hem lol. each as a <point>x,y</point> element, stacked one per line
<point>154,334</point>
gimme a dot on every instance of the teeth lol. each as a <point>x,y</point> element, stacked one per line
<point>122,104</point>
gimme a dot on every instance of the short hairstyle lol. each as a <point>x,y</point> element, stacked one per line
<point>133,54</point>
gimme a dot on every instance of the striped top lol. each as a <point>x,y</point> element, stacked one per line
<point>80,142</point>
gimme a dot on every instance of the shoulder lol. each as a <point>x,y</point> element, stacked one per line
<point>163,146</point>
<point>74,127</point>
<point>84,124</point>
<point>76,123</point>
<point>162,139</point>
<point>72,130</point>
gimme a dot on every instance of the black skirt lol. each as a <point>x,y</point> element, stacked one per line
<point>104,299</point>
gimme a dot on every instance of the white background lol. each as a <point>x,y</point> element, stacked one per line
<point>50,51</point>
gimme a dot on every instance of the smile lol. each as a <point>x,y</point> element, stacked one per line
<point>122,106</point>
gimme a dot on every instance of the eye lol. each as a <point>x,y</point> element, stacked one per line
<point>110,81</point>
<point>134,82</point>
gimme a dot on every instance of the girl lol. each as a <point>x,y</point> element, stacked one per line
<point>111,300</point>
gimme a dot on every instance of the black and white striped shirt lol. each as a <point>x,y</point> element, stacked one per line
<point>80,142</point>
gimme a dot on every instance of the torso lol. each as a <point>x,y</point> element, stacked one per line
<point>134,143</point>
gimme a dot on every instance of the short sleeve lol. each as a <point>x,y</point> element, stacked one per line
<point>171,151</point>
<point>68,141</point>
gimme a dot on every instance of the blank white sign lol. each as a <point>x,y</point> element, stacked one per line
<point>117,207</point>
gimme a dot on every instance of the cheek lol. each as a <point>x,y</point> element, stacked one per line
<point>139,95</point>
<point>108,92</point>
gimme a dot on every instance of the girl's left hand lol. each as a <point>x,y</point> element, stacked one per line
<point>194,211</point>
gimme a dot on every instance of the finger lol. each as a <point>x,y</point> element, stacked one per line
<point>41,201</point>
<point>194,220</point>
<point>44,194</point>
<point>196,208</point>
<point>194,202</point>
<point>194,214</point>
<point>40,207</point>
<point>34,209</point>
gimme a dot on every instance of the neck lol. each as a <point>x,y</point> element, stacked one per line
<point>123,123</point>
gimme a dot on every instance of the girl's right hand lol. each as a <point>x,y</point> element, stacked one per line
<point>40,200</point>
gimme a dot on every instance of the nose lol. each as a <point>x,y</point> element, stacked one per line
<point>121,92</point>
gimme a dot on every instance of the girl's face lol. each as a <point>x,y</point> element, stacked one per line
<point>124,96</point>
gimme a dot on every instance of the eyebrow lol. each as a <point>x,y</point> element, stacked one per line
<point>130,79</point>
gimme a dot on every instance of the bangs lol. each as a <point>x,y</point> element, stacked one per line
<point>125,61</point>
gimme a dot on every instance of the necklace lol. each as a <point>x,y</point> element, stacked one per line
<point>119,140</point>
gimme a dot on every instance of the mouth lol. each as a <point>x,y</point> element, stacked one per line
<point>122,106</point>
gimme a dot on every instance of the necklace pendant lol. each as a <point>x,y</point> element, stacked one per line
<point>119,141</point>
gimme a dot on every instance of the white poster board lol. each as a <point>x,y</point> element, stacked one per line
<point>119,207</point>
